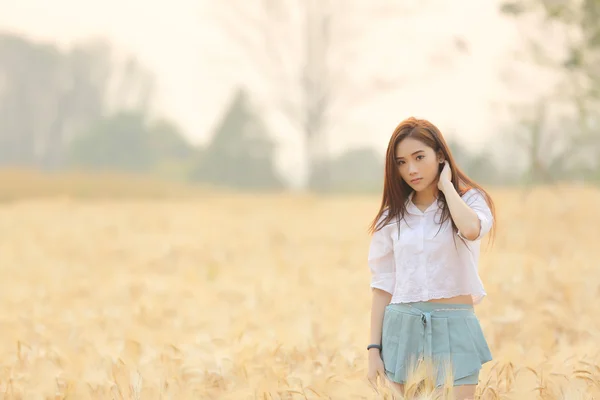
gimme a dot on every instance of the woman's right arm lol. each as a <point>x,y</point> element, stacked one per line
<point>381,299</point>
<point>383,278</point>
<point>383,282</point>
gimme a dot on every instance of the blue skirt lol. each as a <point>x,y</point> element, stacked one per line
<point>443,335</point>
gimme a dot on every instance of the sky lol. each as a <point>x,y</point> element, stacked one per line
<point>462,94</point>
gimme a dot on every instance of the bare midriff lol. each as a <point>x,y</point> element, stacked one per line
<point>462,299</point>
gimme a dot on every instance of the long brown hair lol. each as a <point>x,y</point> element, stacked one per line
<point>396,190</point>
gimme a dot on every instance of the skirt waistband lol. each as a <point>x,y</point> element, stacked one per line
<point>440,309</point>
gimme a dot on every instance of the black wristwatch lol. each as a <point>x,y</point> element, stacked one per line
<point>374,346</point>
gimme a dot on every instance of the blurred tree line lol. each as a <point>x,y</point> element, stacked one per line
<point>79,109</point>
<point>560,130</point>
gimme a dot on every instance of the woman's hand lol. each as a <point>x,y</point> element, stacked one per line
<point>445,177</point>
<point>375,367</point>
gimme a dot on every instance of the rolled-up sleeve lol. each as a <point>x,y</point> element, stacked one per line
<point>381,261</point>
<point>476,200</point>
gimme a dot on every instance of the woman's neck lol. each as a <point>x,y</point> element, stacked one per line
<point>427,195</point>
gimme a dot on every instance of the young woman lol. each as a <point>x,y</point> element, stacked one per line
<point>423,259</point>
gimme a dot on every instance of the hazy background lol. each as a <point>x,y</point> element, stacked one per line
<point>117,284</point>
<point>296,94</point>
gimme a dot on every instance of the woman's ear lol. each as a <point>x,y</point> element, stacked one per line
<point>441,157</point>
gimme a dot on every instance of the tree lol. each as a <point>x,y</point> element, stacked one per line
<point>479,166</point>
<point>128,141</point>
<point>307,54</point>
<point>48,96</point>
<point>359,169</point>
<point>563,124</point>
<point>240,154</point>
<point>115,143</point>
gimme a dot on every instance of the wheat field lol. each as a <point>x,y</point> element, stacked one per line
<point>267,297</point>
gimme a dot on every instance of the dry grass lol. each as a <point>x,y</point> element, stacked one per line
<point>266,297</point>
<point>25,183</point>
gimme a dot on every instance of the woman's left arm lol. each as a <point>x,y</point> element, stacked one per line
<point>466,219</point>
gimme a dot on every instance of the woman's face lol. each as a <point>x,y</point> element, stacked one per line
<point>417,163</point>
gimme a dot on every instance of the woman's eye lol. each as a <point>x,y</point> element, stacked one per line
<point>419,157</point>
<point>400,162</point>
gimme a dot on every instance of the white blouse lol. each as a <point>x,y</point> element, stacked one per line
<point>419,263</point>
